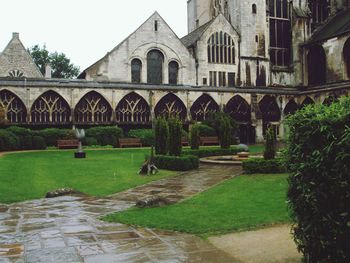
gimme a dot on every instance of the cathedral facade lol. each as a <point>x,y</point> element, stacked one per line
<point>257,60</point>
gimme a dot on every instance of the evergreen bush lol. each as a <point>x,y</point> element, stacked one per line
<point>194,137</point>
<point>176,163</point>
<point>262,166</point>
<point>38,143</point>
<point>225,133</point>
<point>175,135</point>
<point>146,135</point>
<point>108,135</point>
<point>161,136</point>
<point>270,146</point>
<point>8,141</point>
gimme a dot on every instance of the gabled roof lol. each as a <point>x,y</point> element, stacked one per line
<point>195,35</point>
<point>15,57</point>
<point>335,26</point>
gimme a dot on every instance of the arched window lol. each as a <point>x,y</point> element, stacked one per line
<point>290,108</point>
<point>254,11</point>
<point>221,48</point>
<point>13,107</point>
<point>136,69</point>
<point>346,54</point>
<point>16,74</point>
<point>319,12</point>
<point>316,64</point>
<point>155,60</point>
<point>133,109</point>
<point>239,109</point>
<point>170,106</point>
<point>93,109</point>
<point>203,107</point>
<point>270,111</point>
<point>50,108</point>
<point>173,72</point>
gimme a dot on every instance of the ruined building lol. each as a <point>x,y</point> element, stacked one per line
<point>257,60</point>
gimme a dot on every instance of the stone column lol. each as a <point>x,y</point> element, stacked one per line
<point>114,106</point>
<point>150,102</point>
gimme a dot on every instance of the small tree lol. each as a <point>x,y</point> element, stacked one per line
<point>194,137</point>
<point>175,135</point>
<point>270,146</point>
<point>225,133</point>
<point>161,136</point>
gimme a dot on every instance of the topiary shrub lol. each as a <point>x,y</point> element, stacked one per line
<point>176,163</point>
<point>194,137</point>
<point>146,135</point>
<point>38,143</point>
<point>270,146</point>
<point>206,131</point>
<point>318,155</point>
<point>161,136</point>
<point>225,133</point>
<point>175,135</point>
<point>8,141</point>
<point>107,135</point>
<point>262,166</point>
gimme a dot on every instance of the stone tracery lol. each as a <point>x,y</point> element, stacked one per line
<point>14,109</point>
<point>133,109</point>
<point>203,107</point>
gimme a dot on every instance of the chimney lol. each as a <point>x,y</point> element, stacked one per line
<point>15,35</point>
<point>48,71</point>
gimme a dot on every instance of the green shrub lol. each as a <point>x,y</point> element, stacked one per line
<point>225,133</point>
<point>176,163</point>
<point>194,137</point>
<point>8,141</point>
<point>25,137</point>
<point>38,143</point>
<point>108,135</point>
<point>175,135</point>
<point>90,141</point>
<point>318,155</point>
<point>214,121</point>
<point>146,135</point>
<point>206,131</point>
<point>206,152</point>
<point>52,135</point>
<point>262,166</point>
<point>161,136</point>
<point>270,146</point>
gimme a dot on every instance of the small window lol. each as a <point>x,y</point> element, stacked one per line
<point>156,25</point>
<point>173,72</point>
<point>254,9</point>
<point>205,81</point>
<point>136,68</point>
<point>197,23</point>
<point>231,79</point>
<point>256,38</point>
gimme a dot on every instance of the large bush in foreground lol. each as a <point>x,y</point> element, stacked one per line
<point>161,136</point>
<point>319,188</point>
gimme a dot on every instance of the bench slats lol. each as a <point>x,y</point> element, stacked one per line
<point>209,140</point>
<point>130,142</point>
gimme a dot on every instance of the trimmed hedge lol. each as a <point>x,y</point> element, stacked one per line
<point>108,135</point>
<point>212,152</point>
<point>206,131</point>
<point>146,135</point>
<point>8,141</point>
<point>52,135</point>
<point>176,163</point>
<point>262,166</point>
<point>318,154</point>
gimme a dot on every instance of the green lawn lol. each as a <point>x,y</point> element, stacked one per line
<point>241,203</point>
<point>25,176</point>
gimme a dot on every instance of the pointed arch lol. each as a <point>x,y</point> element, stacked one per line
<point>307,101</point>
<point>93,108</point>
<point>291,107</point>
<point>203,107</point>
<point>14,109</point>
<point>270,113</point>
<point>50,108</point>
<point>329,100</point>
<point>346,56</point>
<point>155,61</point>
<point>239,109</point>
<point>133,109</point>
<point>316,64</point>
<point>170,106</point>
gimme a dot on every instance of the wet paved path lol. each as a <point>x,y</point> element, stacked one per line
<point>67,229</point>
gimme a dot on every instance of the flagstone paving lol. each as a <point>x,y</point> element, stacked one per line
<point>67,229</point>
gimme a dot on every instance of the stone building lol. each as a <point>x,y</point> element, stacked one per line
<point>257,60</point>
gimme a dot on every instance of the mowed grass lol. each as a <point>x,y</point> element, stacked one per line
<point>242,203</point>
<point>25,176</point>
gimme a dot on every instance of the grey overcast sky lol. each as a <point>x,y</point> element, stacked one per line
<point>85,30</point>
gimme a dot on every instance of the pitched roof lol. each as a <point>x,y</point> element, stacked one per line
<point>15,58</point>
<point>193,37</point>
<point>335,26</point>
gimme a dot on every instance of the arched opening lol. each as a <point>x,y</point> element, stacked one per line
<point>346,55</point>
<point>307,101</point>
<point>254,9</point>
<point>173,69</point>
<point>50,108</point>
<point>171,106</point>
<point>221,48</point>
<point>93,109</point>
<point>203,107</point>
<point>271,114</point>
<point>239,109</point>
<point>155,60</point>
<point>317,68</point>
<point>290,108</point>
<point>15,111</point>
<point>133,109</point>
<point>136,69</point>
<point>329,100</point>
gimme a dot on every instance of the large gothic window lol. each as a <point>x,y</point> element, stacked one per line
<point>136,69</point>
<point>346,54</point>
<point>221,48</point>
<point>13,107</point>
<point>93,109</point>
<point>319,12</point>
<point>239,109</point>
<point>173,72</point>
<point>155,61</point>
<point>50,108</point>
<point>316,64</point>
<point>133,109</point>
<point>171,106</point>
<point>280,33</point>
<point>203,107</point>
<point>290,108</point>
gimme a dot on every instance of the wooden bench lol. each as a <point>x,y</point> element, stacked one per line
<point>67,144</point>
<point>185,141</point>
<point>130,142</point>
<point>209,140</point>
